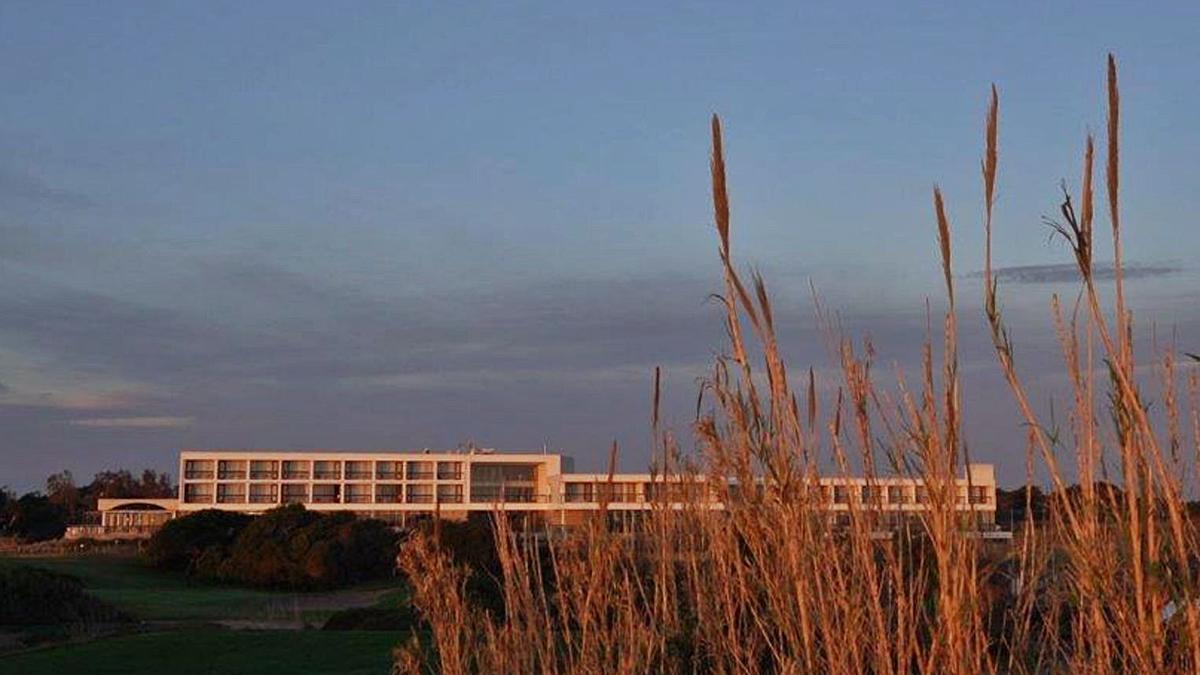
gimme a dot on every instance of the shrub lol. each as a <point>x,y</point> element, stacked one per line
<point>37,597</point>
<point>181,544</point>
<point>288,547</point>
<point>32,517</point>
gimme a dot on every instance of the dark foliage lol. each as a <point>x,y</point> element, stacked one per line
<point>37,597</point>
<point>78,500</point>
<point>32,517</point>
<point>1013,507</point>
<point>288,547</point>
<point>181,543</point>
<point>38,516</point>
<point>403,619</point>
<point>472,543</point>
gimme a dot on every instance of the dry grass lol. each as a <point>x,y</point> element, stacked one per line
<point>769,585</point>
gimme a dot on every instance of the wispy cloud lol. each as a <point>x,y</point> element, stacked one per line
<point>134,422</point>
<point>1068,272</point>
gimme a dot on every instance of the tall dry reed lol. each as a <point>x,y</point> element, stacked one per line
<point>769,584</point>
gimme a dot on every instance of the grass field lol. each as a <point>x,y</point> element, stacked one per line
<point>207,651</point>
<point>151,595</point>
<point>192,644</point>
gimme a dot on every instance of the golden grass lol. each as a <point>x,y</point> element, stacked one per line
<point>771,585</point>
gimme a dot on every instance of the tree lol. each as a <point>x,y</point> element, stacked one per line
<point>61,490</point>
<point>182,542</point>
<point>287,547</point>
<point>33,517</point>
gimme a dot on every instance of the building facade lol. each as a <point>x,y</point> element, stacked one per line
<point>400,486</point>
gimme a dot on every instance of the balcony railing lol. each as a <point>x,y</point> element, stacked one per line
<point>420,475</point>
<point>295,475</point>
<point>263,499</point>
<point>358,475</point>
<point>264,475</point>
<point>197,474</point>
<point>232,475</point>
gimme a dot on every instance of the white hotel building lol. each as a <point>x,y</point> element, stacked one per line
<point>401,486</point>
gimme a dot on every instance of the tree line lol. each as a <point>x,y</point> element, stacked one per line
<point>45,514</point>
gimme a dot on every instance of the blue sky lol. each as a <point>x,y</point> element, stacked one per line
<point>407,225</point>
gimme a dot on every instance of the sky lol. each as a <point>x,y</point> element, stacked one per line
<point>409,225</point>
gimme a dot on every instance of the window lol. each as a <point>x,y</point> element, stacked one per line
<point>264,470</point>
<point>389,493</point>
<point>198,494</point>
<point>450,494</point>
<point>295,494</point>
<point>358,470</point>
<point>503,473</point>
<point>579,492</point>
<point>327,493</point>
<point>449,470</point>
<point>841,494</point>
<point>896,495</point>
<point>358,494</point>
<point>231,493</point>
<point>388,470</point>
<point>486,493</point>
<point>198,468</point>
<point>327,469</point>
<point>520,495</point>
<point>979,494</point>
<point>264,494</point>
<point>420,470</point>
<point>228,469</point>
<point>420,494</point>
<point>922,494</point>
<point>295,469</point>
<point>616,492</point>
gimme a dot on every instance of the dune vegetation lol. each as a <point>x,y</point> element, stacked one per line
<point>1106,584</point>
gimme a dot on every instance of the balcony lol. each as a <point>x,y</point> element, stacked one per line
<point>417,495</point>
<point>389,497</point>
<point>449,471</point>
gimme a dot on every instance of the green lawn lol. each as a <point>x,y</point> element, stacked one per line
<point>210,651</point>
<point>148,594</point>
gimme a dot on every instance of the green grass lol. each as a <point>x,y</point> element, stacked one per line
<point>149,594</point>
<point>208,651</point>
